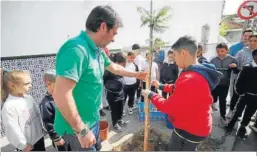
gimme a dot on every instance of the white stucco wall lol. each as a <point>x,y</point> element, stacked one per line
<point>31,28</point>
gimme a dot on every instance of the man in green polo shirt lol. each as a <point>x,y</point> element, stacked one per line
<point>80,65</point>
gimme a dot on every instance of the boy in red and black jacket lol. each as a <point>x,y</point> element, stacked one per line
<point>190,97</point>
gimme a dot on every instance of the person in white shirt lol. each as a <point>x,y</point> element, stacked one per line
<point>130,83</point>
<point>21,116</point>
<point>154,73</point>
<point>139,61</point>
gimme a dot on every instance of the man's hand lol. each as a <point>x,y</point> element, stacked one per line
<point>232,65</point>
<point>141,75</point>
<point>28,148</point>
<point>87,140</point>
<point>145,92</point>
<point>60,142</point>
<point>156,84</point>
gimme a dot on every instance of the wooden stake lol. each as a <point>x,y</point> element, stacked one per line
<point>148,84</point>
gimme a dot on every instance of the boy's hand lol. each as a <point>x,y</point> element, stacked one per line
<point>60,142</point>
<point>156,84</point>
<point>145,92</point>
<point>232,65</point>
<point>28,148</point>
<point>141,75</point>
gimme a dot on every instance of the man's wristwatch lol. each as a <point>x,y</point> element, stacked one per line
<point>83,132</point>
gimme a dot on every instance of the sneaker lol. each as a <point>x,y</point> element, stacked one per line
<point>117,127</point>
<point>242,133</point>
<point>254,128</point>
<point>102,113</point>
<point>123,123</point>
<point>130,111</point>
<point>230,114</point>
<point>214,108</point>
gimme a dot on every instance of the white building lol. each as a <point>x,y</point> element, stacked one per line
<point>40,27</point>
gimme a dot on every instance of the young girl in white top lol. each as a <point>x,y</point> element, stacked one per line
<point>21,116</point>
<point>154,73</point>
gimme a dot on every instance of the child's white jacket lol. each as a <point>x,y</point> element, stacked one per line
<point>22,120</point>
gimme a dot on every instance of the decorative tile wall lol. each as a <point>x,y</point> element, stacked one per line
<point>36,66</point>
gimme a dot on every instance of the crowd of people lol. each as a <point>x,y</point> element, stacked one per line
<point>190,86</point>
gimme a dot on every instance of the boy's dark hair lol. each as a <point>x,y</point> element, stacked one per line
<point>255,35</point>
<point>222,45</point>
<point>249,30</point>
<point>187,43</point>
<point>200,47</point>
<point>117,57</point>
<point>100,14</point>
<point>254,53</point>
<point>170,52</point>
<point>131,53</point>
<point>135,47</point>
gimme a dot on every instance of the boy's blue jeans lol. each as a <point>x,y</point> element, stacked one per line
<point>72,142</point>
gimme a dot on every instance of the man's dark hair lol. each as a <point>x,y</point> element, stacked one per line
<point>222,45</point>
<point>170,52</point>
<point>135,47</point>
<point>117,57</point>
<point>100,14</point>
<point>186,43</point>
<point>255,35</point>
<point>249,30</point>
<point>131,53</point>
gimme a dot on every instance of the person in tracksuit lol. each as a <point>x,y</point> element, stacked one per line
<point>243,57</point>
<point>114,92</point>
<point>225,64</point>
<point>131,83</point>
<point>169,71</point>
<point>47,109</point>
<point>246,87</point>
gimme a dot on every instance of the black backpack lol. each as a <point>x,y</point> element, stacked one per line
<point>137,70</point>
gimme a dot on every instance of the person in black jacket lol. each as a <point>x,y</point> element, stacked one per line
<point>246,87</point>
<point>169,71</point>
<point>47,108</point>
<point>115,96</point>
<point>200,57</point>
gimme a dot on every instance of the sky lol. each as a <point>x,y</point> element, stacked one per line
<point>231,6</point>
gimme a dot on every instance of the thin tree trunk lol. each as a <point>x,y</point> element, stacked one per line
<point>148,84</point>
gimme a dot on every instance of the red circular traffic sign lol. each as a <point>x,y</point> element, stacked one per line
<point>247,10</point>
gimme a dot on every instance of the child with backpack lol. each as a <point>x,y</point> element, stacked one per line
<point>130,83</point>
<point>114,92</point>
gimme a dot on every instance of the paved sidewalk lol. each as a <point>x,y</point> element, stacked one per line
<point>225,143</point>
